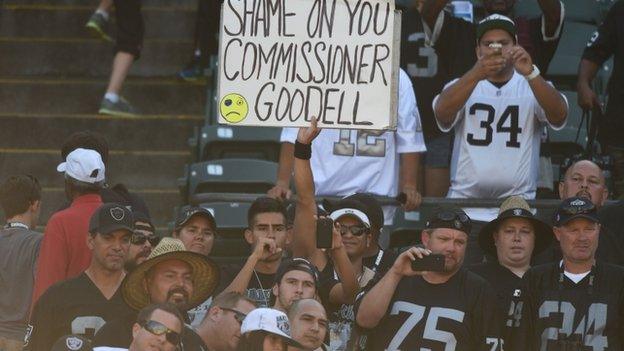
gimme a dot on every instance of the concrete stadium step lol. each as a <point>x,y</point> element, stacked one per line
<point>88,57</point>
<point>38,95</point>
<point>44,131</point>
<point>159,202</point>
<point>135,169</point>
<point>68,21</point>
<point>94,3</point>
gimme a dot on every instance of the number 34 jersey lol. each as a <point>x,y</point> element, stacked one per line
<point>348,161</point>
<point>497,141</point>
<point>460,314</point>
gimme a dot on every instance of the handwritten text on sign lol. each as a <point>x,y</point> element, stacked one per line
<point>282,61</point>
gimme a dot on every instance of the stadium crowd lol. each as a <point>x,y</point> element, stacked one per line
<point>321,276</point>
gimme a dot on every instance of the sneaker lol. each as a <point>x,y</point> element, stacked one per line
<point>98,26</point>
<point>120,108</point>
<point>193,72</point>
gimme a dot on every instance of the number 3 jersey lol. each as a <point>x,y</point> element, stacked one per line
<point>497,141</point>
<point>349,161</point>
<point>460,314</point>
<point>558,312</point>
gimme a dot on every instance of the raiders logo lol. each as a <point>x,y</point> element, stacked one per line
<point>457,224</point>
<point>577,202</point>
<point>117,213</point>
<point>282,324</point>
<point>517,212</point>
<point>73,343</point>
<point>517,293</point>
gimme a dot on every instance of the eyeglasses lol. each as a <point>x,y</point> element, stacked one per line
<point>357,230</point>
<point>238,315</point>
<point>158,328</point>
<point>140,238</point>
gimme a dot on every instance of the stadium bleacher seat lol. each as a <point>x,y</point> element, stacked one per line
<point>564,65</point>
<point>231,223</point>
<point>223,142</point>
<point>229,176</point>
<point>406,227</point>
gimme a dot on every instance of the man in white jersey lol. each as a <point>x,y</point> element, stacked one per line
<point>345,162</point>
<point>498,109</point>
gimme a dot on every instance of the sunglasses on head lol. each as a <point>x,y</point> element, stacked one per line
<point>140,238</point>
<point>158,328</point>
<point>238,315</point>
<point>447,216</point>
<point>357,230</point>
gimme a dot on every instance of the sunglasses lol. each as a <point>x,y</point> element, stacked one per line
<point>140,238</point>
<point>448,216</point>
<point>238,315</point>
<point>158,328</point>
<point>357,230</point>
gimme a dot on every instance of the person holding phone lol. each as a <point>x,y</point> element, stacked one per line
<point>449,308</point>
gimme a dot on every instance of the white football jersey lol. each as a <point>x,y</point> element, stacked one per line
<point>349,161</point>
<point>497,143</point>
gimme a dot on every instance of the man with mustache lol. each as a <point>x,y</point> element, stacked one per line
<point>142,241</point>
<point>170,274</point>
<point>450,309</point>
<point>585,179</point>
<point>82,305</point>
<point>308,324</point>
<point>576,303</point>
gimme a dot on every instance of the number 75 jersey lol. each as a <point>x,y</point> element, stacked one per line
<point>497,141</point>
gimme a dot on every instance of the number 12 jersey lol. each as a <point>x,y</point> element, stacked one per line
<point>497,141</point>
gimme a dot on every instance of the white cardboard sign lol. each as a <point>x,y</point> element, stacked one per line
<point>283,61</point>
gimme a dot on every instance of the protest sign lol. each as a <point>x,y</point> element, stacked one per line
<point>283,61</point>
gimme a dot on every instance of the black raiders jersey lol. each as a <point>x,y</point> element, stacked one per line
<point>456,315</point>
<point>73,306</point>
<point>559,313</point>
<point>508,289</point>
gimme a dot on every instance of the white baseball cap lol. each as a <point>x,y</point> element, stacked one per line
<point>271,321</point>
<point>84,165</point>
<point>360,215</point>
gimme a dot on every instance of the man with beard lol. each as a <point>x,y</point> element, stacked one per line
<point>585,179</point>
<point>295,279</point>
<point>308,324</point>
<point>576,303</point>
<point>83,304</point>
<point>220,329</point>
<point>170,274</point>
<point>142,241</point>
<point>450,309</point>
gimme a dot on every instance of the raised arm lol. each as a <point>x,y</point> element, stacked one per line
<point>264,248</point>
<point>281,189</point>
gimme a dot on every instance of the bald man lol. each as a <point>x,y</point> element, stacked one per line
<point>308,324</point>
<point>585,179</point>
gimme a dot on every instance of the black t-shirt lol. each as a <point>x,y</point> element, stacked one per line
<point>606,42</point>
<point>380,262</point>
<point>612,217</point>
<point>432,67</point>
<point>508,289</point>
<point>259,287</point>
<point>74,306</point>
<point>456,315</point>
<point>555,306</point>
<point>118,333</point>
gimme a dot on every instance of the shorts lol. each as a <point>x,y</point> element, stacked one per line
<point>438,153</point>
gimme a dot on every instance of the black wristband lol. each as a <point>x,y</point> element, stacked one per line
<point>303,151</point>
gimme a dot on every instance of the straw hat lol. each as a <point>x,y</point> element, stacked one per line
<point>516,207</point>
<point>205,274</point>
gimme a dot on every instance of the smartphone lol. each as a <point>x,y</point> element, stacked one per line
<point>431,263</point>
<point>324,233</point>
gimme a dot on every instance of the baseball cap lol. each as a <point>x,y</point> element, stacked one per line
<point>452,217</point>
<point>347,207</point>
<point>372,208</point>
<point>496,21</point>
<point>575,207</point>
<point>297,264</point>
<point>186,213</point>
<point>111,217</point>
<point>72,342</point>
<point>83,165</point>
<point>271,321</point>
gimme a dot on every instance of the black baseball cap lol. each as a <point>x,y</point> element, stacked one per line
<point>111,217</point>
<point>451,217</point>
<point>186,213</point>
<point>372,208</point>
<point>72,342</point>
<point>575,207</point>
<point>297,264</point>
<point>496,21</point>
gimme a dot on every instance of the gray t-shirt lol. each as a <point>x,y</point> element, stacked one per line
<point>19,249</point>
